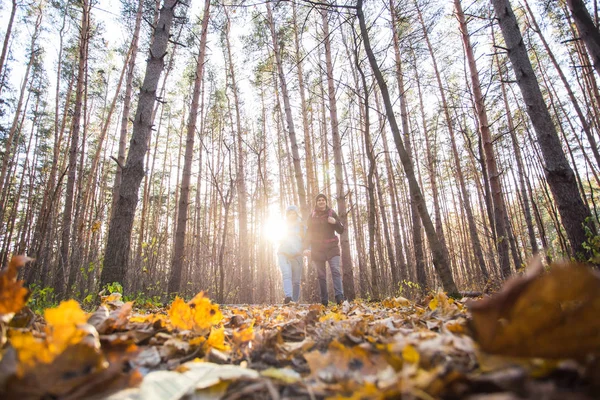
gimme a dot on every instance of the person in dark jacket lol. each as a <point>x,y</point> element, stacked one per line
<point>322,244</point>
<point>290,254</point>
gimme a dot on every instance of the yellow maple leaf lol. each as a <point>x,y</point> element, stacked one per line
<point>199,314</point>
<point>67,313</point>
<point>12,293</point>
<point>180,314</point>
<point>63,330</point>
<point>206,314</point>
<point>149,318</point>
<point>216,340</point>
<point>433,304</point>
<point>197,341</point>
<point>30,350</point>
<point>244,335</point>
<point>332,316</point>
<point>410,354</point>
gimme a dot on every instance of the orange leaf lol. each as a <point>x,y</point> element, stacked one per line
<point>244,335</point>
<point>199,314</point>
<point>551,315</point>
<point>63,330</point>
<point>12,293</point>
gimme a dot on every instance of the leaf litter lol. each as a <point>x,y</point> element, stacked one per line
<point>538,337</point>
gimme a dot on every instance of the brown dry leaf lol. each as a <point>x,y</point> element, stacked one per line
<point>79,372</point>
<point>396,302</point>
<point>550,315</point>
<point>13,295</point>
<point>116,319</point>
<point>348,363</point>
<point>112,301</point>
<point>98,317</point>
<point>367,391</point>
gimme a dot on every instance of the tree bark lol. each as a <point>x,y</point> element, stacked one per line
<point>311,184</point>
<point>573,212</point>
<point>288,115</point>
<point>371,210</point>
<point>416,222</point>
<point>347,272</point>
<point>488,147</point>
<point>588,31</point>
<point>15,125</point>
<point>119,234</point>
<point>439,261</point>
<point>466,201</point>
<point>63,262</point>
<point>7,35</point>
<point>184,195</point>
<point>133,50</point>
<point>582,119</point>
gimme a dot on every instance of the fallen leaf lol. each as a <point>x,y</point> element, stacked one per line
<point>66,326</point>
<point>13,295</point>
<point>216,340</point>
<point>344,363</point>
<point>286,375</point>
<point>551,315</point>
<point>81,371</point>
<point>171,385</point>
<point>243,335</point>
<point>410,354</point>
<point>199,314</point>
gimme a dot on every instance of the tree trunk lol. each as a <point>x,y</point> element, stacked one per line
<point>311,184</point>
<point>288,115</point>
<point>466,201</point>
<point>584,123</point>
<point>488,147</point>
<point>520,169</point>
<point>371,210</point>
<point>119,234</point>
<point>431,166</point>
<point>182,212</point>
<point>7,35</point>
<point>588,32</point>
<point>15,125</point>
<point>63,262</point>
<point>439,261</point>
<point>133,50</point>
<point>347,273</point>
<point>416,222</point>
<point>574,214</point>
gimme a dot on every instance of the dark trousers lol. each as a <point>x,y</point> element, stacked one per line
<point>336,276</point>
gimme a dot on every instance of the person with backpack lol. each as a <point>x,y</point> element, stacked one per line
<point>323,245</point>
<point>290,254</point>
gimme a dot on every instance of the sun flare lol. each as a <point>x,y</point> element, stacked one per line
<point>274,228</point>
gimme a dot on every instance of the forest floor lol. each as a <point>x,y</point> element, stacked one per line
<point>537,338</point>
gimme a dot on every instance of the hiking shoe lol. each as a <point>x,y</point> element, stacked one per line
<point>339,299</point>
<point>325,303</point>
<point>287,300</point>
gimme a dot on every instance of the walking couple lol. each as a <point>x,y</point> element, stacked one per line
<point>316,240</point>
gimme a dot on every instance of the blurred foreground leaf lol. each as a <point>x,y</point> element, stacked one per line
<point>12,293</point>
<point>550,314</point>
